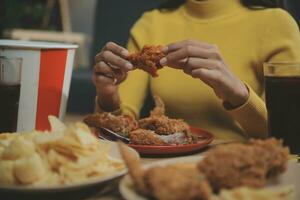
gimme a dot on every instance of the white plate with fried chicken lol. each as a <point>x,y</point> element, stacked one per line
<point>259,169</point>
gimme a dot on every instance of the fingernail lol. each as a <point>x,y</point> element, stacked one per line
<point>165,49</point>
<point>163,61</point>
<point>124,53</point>
<point>129,66</point>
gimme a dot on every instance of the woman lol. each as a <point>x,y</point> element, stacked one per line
<point>215,53</point>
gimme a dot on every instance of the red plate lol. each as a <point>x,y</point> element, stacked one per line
<point>176,149</point>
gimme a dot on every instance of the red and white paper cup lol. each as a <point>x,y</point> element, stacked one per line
<point>45,80</point>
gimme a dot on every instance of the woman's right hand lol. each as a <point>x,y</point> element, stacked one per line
<point>111,67</point>
<point>110,70</point>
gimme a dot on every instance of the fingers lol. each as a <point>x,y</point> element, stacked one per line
<point>114,55</point>
<point>178,45</point>
<point>208,76</point>
<point>108,74</point>
<point>175,58</point>
<point>103,68</point>
<point>116,49</point>
<point>101,80</point>
<point>196,63</point>
<point>113,59</point>
<point>103,74</point>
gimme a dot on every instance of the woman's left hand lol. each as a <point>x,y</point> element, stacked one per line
<point>204,61</point>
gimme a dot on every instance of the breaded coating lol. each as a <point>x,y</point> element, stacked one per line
<point>176,183</point>
<point>160,123</point>
<point>236,164</point>
<point>168,182</point>
<point>159,109</point>
<point>247,193</point>
<point>277,155</point>
<point>134,168</point>
<point>148,137</point>
<point>121,124</point>
<point>145,137</point>
<point>163,125</point>
<point>148,58</point>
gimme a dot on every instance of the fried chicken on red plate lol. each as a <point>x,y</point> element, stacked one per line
<point>145,137</point>
<point>121,124</point>
<point>148,137</point>
<point>160,123</point>
<point>148,58</point>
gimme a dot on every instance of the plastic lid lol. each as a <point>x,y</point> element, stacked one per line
<point>36,45</point>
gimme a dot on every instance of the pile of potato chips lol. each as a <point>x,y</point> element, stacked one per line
<point>63,156</point>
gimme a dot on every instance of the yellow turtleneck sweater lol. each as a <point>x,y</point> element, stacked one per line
<point>246,39</point>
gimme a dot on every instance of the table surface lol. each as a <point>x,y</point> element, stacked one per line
<point>114,194</point>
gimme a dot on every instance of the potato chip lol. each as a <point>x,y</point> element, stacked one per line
<point>1,151</point>
<point>30,169</point>
<point>46,138</point>
<point>65,155</point>
<point>6,173</point>
<point>56,160</point>
<point>56,125</point>
<point>82,132</point>
<point>18,148</point>
<point>49,179</point>
<point>6,140</point>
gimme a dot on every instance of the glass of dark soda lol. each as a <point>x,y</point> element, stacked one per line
<point>10,79</point>
<point>282,86</point>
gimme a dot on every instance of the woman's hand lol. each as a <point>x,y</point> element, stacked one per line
<point>110,70</point>
<point>204,61</point>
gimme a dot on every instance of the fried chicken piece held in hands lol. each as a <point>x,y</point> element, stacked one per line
<point>148,58</point>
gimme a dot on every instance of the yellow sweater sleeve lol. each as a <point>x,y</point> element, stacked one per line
<point>280,43</point>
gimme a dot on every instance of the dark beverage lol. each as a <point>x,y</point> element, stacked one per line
<point>9,104</point>
<point>283,104</point>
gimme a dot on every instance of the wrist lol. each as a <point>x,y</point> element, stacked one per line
<point>238,98</point>
<point>107,91</point>
<point>108,101</point>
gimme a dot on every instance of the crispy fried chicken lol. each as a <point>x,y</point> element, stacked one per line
<point>148,137</point>
<point>236,164</point>
<point>176,183</point>
<point>148,58</point>
<point>121,124</point>
<point>166,182</point>
<point>160,123</point>
<point>157,129</point>
<point>145,137</point>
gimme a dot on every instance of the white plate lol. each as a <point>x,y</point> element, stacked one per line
<point>290,177</point>
<point>38,192</point>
